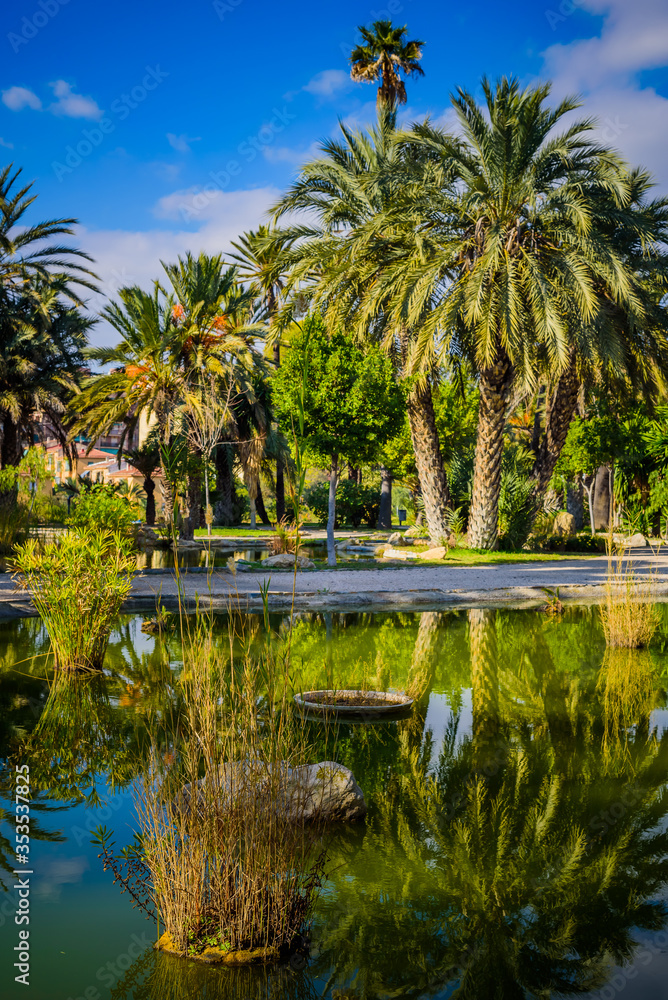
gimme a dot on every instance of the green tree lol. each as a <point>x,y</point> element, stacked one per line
<point>497,247</point>
<point>351,189</point>
<point>352,403</point>
<point>383,55</point>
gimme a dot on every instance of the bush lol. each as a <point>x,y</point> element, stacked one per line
<point>355,505</point>
<point>78,586</point>
<point>101,508</point>
<point>517,509</point>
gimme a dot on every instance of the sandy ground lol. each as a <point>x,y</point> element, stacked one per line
<point>579,580</point>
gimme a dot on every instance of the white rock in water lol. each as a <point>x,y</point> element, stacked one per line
<point>325,792</point>
<point>637,540</point>
<point>286,560</point>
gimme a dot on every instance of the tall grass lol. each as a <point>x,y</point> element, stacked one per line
<point>14,524</point>
<point>229,843</point>
<point>78,586</point>
<point>629,614</point>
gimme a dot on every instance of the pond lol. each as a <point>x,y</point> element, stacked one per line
<point>536,865</point>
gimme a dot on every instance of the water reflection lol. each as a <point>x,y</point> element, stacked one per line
<point>520,854</point>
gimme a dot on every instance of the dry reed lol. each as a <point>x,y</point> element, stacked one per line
<point>629,614</point>
<point>233,862</point>
<point>77,586</point>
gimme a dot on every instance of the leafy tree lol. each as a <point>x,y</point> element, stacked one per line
<point>348,193</point>
<point>495,249</point>
<point>352,403</point>
<point>383,55</point>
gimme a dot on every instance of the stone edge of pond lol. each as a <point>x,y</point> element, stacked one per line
<point>519,598</point>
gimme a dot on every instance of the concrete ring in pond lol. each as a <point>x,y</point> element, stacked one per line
<point>370,704</point>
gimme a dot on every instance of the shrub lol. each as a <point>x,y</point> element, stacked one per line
<point>517,509</point>
<point>101,508</point>
<point>226,858</point>
<point>78,586</point>
<point>355,505</point>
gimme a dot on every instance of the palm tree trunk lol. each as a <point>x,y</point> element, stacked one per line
<point>331,511</point>
<point>149,490</point>
<point>559,410</point>
<point>227,502</point>
<point>429,461</point>
<point>495,384</point>
<point>194,497</point>
<point>280,476</point>
<point>602,498</point>
<point>261,509</point>
<point>385,508</point>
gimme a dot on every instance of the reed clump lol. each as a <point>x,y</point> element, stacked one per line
<point>78,585</point>
<point>629,614</point>
<point>233,860</point>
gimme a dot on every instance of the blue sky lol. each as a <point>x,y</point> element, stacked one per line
<point>166,127</point>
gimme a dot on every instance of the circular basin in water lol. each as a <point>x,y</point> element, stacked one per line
<point>365,705</point>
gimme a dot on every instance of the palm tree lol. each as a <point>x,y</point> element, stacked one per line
<point>383,55</point>
<point>144,379</point>
<point>42,336</point>
<point>345,193</point>
<point>496,254</point>
<point>259,263</point>
<point>201,329</point>
<point>27,252</point>
<point>146,459</point>
<point>625,350</point>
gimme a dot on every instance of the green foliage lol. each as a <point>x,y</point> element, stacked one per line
<point>517,509</point>
<point>352,404</point>
<point>355,505</point>
<point>78,585</point>
<point>101,508</point>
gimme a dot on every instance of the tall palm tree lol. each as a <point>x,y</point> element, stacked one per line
<point>259,263</point>
<point>345,193</point>
<point>384,55</point>
<point>496,255</point>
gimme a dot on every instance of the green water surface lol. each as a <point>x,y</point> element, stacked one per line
<point>515,844</point>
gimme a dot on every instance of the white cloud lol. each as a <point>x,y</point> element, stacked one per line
<point>288,154</point>
<point>73,105</point>
<point>18,98</point>
<point>604,71</point>
<point>328,83</point>
<point>181,143</point>
<point>125,257</point>
<point>7,145</point>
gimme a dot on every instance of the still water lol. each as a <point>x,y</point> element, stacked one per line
<point>516,839</point>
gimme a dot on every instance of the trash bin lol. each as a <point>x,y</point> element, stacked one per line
<point>401,514</point>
